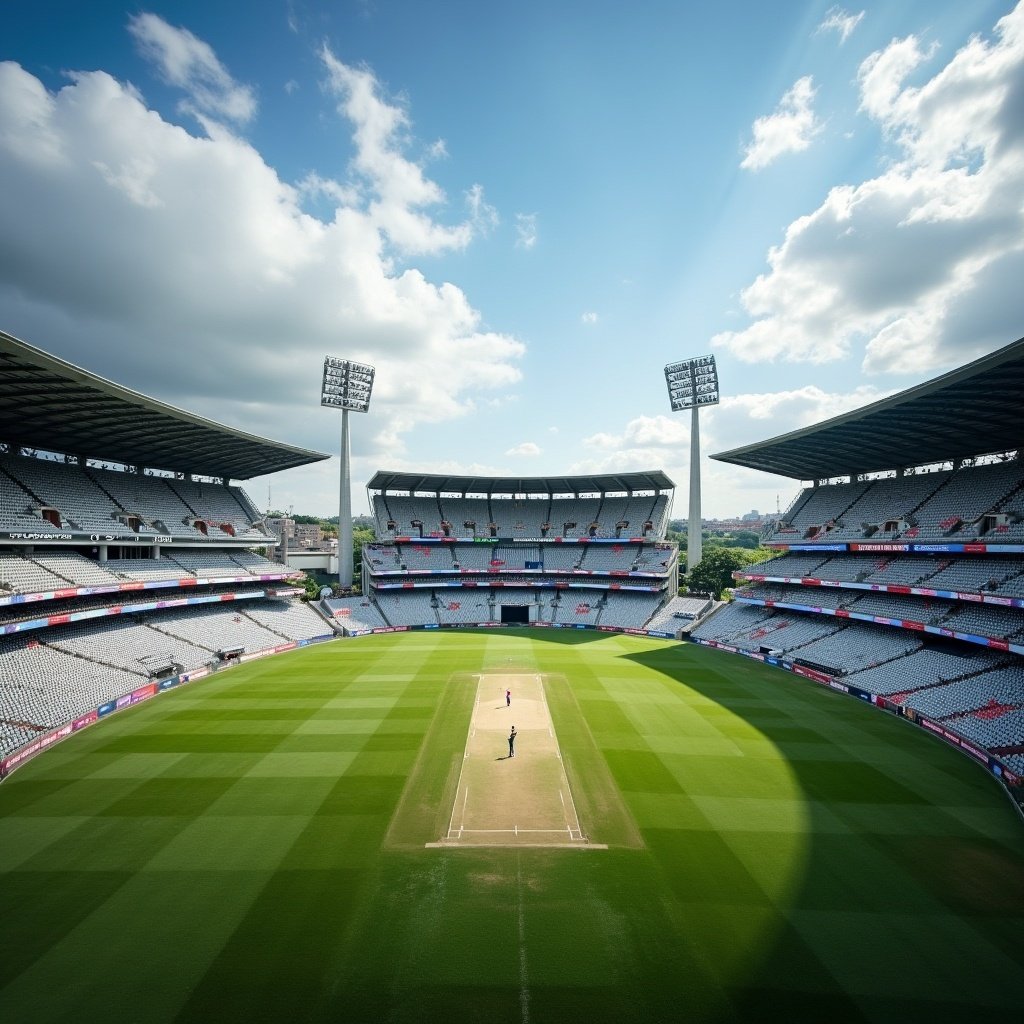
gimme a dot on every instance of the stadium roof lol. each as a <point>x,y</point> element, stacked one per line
<point>975,410</point>
<point>655,480</point>
<point>53,405</point>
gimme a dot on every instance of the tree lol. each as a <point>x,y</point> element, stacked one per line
<point>714,572</point>
<point>360,535</point>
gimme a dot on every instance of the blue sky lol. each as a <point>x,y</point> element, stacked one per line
<point>518,213</point>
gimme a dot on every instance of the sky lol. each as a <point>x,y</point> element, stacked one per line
<point>518,213</point>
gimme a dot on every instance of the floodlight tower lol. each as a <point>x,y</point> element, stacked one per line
<point>693,383</point>
<point>346,386</point>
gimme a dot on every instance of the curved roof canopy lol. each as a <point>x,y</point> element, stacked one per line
<point>50,404</point>
<point>975,410</point>
<point>655,480</point>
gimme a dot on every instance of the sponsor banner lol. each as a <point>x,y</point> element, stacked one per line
<point>810,673</point>
<point>971,749</point>
<point>105,709</point>
<point>968,549</point>
<point>971,638</point>
<point>390,629</point>
<point>812,547</point>
<point>167,684</point>
<point>958,741</point>
<point>116,588</point>
<point>19,627</point>
<point>84,720</point>
<point>142,693</point>
<point>879,547</point>
<point>19,757</point>
<point>40,536</point>
<point>647,588</point>
<point>117,609</point>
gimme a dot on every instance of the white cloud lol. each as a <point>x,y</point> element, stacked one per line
<point>483,216</point>
<point>398,192</point>
<point>742,419</point>
<point>526,448</point>
<point>642,432</point>
<point>184,266</point>
<point>589,318</point>
<point>838,20</point>
<point>663,442</point>
<point>526,230</point>
<point>896,262</point>
<point>788,130</point>
<point>190,64</point>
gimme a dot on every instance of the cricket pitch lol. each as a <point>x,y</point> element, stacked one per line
<point>512,801</point>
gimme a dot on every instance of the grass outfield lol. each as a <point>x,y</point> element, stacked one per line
<point>252,848</point>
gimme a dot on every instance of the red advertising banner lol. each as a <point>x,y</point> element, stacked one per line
<point>8,764</point>
<point>84,720</point>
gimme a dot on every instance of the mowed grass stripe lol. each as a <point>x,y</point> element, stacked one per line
<point>773,845</point>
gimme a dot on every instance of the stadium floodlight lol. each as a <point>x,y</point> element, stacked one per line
<point>693,384</point>
<point>347,386</point>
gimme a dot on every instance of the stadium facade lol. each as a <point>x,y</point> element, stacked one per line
<point>584,552</point>
<point>129,561</point>
<point>900,573</point>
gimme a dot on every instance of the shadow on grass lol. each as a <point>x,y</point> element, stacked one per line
<point>899,830</point>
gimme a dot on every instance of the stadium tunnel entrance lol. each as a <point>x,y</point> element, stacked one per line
<point>515,613</point>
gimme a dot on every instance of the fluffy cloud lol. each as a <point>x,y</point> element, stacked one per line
<point>663,442</point>
<point>400,194</point>
<point>788,130</point>
<point>525,448</point>
<point>190,64</point>
<point>183,265</point>
<point>643,432</point>
<point>898,262</point>
<point>840,21</point>
<point>589,318</point>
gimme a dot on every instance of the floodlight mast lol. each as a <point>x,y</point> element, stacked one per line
<point>693,383</point>
<point>347,386</point>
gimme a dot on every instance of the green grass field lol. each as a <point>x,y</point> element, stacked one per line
<point>251,848</point>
